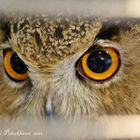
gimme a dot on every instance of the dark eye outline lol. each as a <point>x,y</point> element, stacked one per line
<point>84,71</point>
<point>12,74</point>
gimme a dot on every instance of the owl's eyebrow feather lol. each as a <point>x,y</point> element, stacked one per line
<point>51,35</point>
<point>51,31</point>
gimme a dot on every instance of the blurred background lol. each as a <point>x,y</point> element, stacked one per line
<point>107,8</point>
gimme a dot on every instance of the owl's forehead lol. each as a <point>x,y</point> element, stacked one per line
<point>52,30</point>
<point>52,25</point>
<point>38,36</point>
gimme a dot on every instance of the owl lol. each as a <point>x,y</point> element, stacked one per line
<point>69,67</point>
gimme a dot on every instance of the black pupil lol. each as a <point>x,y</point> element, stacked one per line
<point>17,64</point>
<point>99,61</point>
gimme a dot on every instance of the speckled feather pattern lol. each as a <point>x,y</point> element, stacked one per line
<point>38,38</point>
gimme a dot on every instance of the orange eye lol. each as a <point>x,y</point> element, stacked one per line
<point>14,66</point>
<point>101,64</point>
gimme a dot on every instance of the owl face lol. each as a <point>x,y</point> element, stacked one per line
<point>69,67</point>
